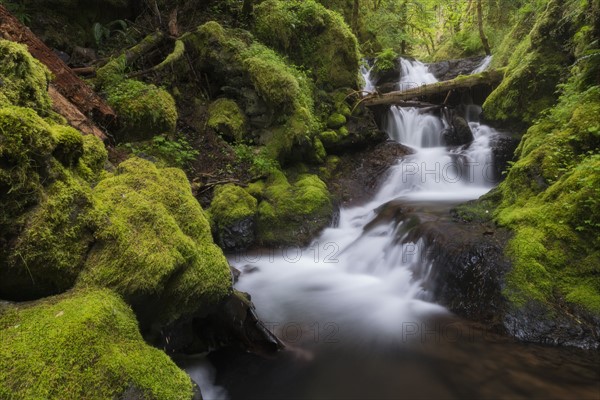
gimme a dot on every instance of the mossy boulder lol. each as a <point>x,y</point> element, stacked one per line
<point>293,213</point>
<point>82,345</point>
<point>154,244</point>
<point>26,146</point>
<point>46,215</point>
<point>336,121</point>
<point>313,37</point>
<point>226,117</point>
<point>51,248</point>
<point>69,144</point>
<point>232,213</point>
<point>274,95</point>
<point>24,80</point>
<point>144,110</point>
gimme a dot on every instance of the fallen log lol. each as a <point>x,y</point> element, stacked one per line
<point>66,82</point>
<point>490,78</point>
<point>73,116</point>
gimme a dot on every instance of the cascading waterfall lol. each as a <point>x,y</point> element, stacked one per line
<point>414,73</point>
<point>369,85</point>
<point>485,64</point>
<point>355,276</point>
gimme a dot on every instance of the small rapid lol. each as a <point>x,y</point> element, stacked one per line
<point>355,308</point>
<point>357,277</point>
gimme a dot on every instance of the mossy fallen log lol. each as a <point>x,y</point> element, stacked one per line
<point>491,78</point>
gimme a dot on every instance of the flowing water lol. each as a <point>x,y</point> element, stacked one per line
<point>353,308</point>
<point>485,64</point>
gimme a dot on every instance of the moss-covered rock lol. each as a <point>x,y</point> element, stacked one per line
<point>225,116</point>
<point>154,244</point>
<point>550,200</point>
<point>92,162</point>
<point>51,248</point>
<point>275,96</point>
<point>232,213</point>
<point>69,145</point>
<point>82,345</point>
<point>534,70</point>
<point>336,121</point>
<point>26,146</point>
<point>291,214</point>
<point>24,79</point>
<point>144,110</point>
<point>312,36</point>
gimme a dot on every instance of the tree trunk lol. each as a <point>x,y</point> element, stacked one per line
<point>484,40</point>
<point>66,82</point>
<point>491,77</point>
<point>356,17</point>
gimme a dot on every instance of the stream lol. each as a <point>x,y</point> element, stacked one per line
<point>353,307</point>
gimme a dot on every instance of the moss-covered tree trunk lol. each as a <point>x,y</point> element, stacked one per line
<point>484,39</point>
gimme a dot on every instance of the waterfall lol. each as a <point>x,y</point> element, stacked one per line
<point>365,72</point>
<point>413,74</point>
<point>485,64</point>
<point>355,280</point>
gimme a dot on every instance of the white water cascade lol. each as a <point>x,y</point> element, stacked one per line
<point>485,64</point>
<point>355,282</point>
<point>369,85</point>
<point>414,73</point>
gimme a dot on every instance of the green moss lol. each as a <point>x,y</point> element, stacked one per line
<point>293,213</point>
<point>69,145</point>
<point>144,110</point>
<point>336,121</point>
<point>320,153</point>
<point>83,345</point>
<point>329,137</point>
<point>91,163</point>
<point>231,204</point>
<point>550,201</point>
<point>24,79</point>
<point>534,70</point>
<point>288,110</point>
<point>154,242</point>
<point>26,145</point>
<point>51,249</point>
<point>313,37</point>
<point>386,60</point>
<point>277,82</point>
<point>225,116</point>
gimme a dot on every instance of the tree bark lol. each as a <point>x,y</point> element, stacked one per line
<point>484,40</point>
<point>66,82</point>
<point>491,77</point>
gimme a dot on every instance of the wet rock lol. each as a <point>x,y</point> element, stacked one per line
<point>358,174</point>
<point>237,236</point>
<point>468,276</point>
<point>536,322</point>
<point>468,266</point>
<point>459,134</point>
<point>360,132</point>
<point>446,70</point>
<point>233,323</point>
<point>503,150</point>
